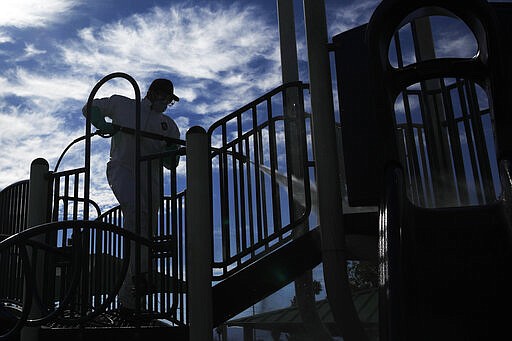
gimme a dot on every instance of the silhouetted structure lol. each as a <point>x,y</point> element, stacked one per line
<point>426,155</point>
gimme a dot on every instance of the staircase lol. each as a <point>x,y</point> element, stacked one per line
<point>258,252</point>
<point>444,252</point>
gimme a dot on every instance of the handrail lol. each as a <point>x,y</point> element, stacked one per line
<point>241,155</point>
<point>14,184</point>
<point>78,249</point>
<point>14,207</point>
<point>261,99</point>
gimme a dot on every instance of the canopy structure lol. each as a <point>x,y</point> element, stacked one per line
<point>288,320</point>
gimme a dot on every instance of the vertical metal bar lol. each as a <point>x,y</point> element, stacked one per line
<point>409,145</point>
<point>466,114</point>
<point>165,230</point>
<point>483,157</point>
<point>199,246</point>
<point>16,204</point>
<point>276,197</point>
<point>66,198</point>
<point>407,132</point>
<point>257,184</point>
<point>174,233</point>
<point>38,209</point>
<point>424,162</point>
<point>456,148</point>
<point>148,297</point>
<point>262,189</point>
<point>56,194</point>
<point>439,155</point>
<point>242,201</point>
<point>181,268</point>
<point>224,200</point>
<point>76,194</point>
<point>249,193</point>
<point>411,148</point>
<point>236,204</point>
<point>328,182</point>
<point>170,230</point>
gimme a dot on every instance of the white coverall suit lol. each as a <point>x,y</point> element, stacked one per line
<point>121,172</point>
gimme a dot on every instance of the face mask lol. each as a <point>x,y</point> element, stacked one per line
<point>159,105</point>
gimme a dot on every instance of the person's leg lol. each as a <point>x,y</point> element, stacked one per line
<point>121,180</point>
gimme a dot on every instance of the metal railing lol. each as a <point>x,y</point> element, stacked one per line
<point>255,196</point>
<point>467,129</point>
<point>167,268</point>
<point>68,199</point>
<point>85,261</point>
<point>14,208</point>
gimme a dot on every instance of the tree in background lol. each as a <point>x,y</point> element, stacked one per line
<point>362,275</point>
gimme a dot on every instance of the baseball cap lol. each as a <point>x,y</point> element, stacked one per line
<point>165,86</point>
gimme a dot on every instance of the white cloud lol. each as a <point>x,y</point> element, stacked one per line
<point>31,84</point>
<point>210,52</point>
<point>35,13</point>
<point>31,51</point>
<point>455,45</point>
<point>26,135</point>
<point>352,15</point>
<point>195,44</point>
<point>5,38</point>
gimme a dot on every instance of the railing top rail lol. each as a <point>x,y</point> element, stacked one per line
<point>18,183</point>
<point>257,101</point>
<point>25,235</point>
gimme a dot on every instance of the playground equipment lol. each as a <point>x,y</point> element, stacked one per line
<point>434,192</point>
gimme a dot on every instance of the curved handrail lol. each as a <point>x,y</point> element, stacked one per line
<point>297,84</point>
<point>17,183</point>
<point>137,137</point>
<point>23,239</point>
<point>25,310</point>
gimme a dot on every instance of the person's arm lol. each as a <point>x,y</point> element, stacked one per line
<point>100,109</point>
<point>173,160</point>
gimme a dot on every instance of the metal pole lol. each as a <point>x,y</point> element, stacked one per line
<point>37,214</point>
<point>327,170</point>
<point>199,236</point>
<point>289,63</point>
<point>442,173</point>
<point>294,133</point>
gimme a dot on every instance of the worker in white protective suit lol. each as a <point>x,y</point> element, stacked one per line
<point>121,167</point>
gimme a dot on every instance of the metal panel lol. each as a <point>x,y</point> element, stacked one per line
<point>358,118</point>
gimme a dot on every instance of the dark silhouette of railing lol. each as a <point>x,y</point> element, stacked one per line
<point>13,208</point>
<point>254,192</point>
<point>70,268</point>
<point>168,297</point>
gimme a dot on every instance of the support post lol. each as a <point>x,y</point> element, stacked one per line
<point>295,158</point>
<point>37,214</point>
<point>328,181</point>
<point>199,236</point>
<point>438,145</point>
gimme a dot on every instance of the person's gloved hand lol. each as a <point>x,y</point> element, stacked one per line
<point>172,160</point>
<point>98,120</point>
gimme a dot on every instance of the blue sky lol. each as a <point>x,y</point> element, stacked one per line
<point>220,55</point>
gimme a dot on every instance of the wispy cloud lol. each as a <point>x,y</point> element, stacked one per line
<point>350,15</point>
<point>5,38</point>
<point>219,58</point>
<point>35,13</point>
<point>194,44</point>
<point>31,51</point>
